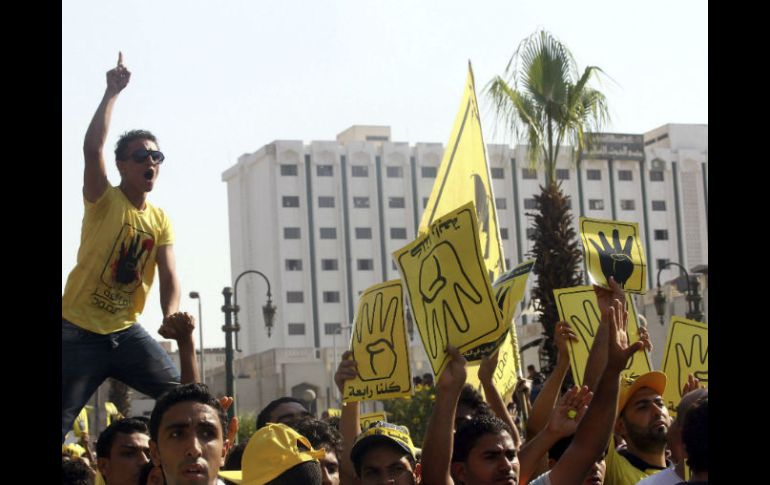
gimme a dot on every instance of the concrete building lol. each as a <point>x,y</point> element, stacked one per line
<point>321,220</point>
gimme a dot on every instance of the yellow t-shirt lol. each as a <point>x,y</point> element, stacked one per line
<point>626,470</point>
<point>106,290</point>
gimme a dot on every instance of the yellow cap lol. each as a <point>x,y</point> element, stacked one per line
<point>272,450</point>
<point>655,380</point>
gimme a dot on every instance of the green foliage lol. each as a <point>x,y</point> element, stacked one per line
<point>247,425</point>
<point>413,412</point>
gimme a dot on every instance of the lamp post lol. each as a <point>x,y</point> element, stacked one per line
<point>196,296</point>
<point>693,296</point>
<point>268,311</point>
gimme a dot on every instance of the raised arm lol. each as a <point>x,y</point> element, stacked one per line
<point>170,292</point>
<point>350,424</point>
<point>180,326</point>
<point>439,437</point>
<point>95,175</point>
<point>593,433</point>
<point>597,357</point>
<point>494,399</point>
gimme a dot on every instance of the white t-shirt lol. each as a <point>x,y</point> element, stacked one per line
<point>664,477</point>
<point>544,479</point>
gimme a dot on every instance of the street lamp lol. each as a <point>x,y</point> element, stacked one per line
<point>196,296</point>
<point>693,296</point>
<point>268,311</point>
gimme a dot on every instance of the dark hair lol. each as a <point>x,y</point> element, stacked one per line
<point>194,392</point>
<point>530,367</point>
<point>472,398</point>
<point>320,434</point>
<point>107,437</point>
<point>264,415</point>
<point>334,422</point>
<point>129,136</point>
<point>695,435</point>
<point>76,472</point>
<point>307,473</point>
<point>144,474</point>
<point>380,443</point>
<point>469,432</point>
<point>235,456</point>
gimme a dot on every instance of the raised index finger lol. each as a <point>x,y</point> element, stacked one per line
<point>120,59</point>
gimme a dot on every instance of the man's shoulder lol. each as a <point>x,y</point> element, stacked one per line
<point>663,477</point>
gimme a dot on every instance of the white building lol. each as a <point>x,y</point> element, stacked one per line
<point>321,219</point>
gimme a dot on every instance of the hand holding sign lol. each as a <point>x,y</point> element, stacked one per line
<point>615,260</point>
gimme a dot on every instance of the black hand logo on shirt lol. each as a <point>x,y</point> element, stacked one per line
<point>380,359</point>
<point>125,268</point>
<point>442,280</point>
<point>686,364</point>
<point>615,260</point>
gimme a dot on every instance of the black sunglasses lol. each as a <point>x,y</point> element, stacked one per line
<point>140,156</point>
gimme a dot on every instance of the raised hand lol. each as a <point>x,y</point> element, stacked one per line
<point>441,296</point>
<point>346,370</point>
<point>569,411</point>
<point>488,366</point>
<point>562,334</point>
<point>615,260</point>
<point>177,326</point>
<point>605,297</point>
<point>379,323</point>
<point>452,378</point>
<point>118,77</point>
<point>619,352</point>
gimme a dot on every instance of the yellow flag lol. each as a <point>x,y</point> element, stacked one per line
<point>80,425</point>
<point>112,412</point>
<point>463,176</point>
<point>334,412</point>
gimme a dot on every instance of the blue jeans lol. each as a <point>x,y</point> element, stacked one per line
<point>130,356</point>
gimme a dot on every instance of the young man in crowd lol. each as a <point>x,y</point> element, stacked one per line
<point>122,450</point>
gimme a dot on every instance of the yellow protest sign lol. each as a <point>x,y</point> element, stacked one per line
<point>112,412</point>
<point>334,412</point>
<point>505,376</point>
<point>379,345</point>
<point>448,289</point>
<point>510,287</point>
<point>463,177</point>
<point>80,425</point>
<point>579,308</point>
<point>369,419</point>
<point>687,352</point>
<point>621,257</point>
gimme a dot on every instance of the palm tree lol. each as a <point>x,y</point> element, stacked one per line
<point>542,100</point>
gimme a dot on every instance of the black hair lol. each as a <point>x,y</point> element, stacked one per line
<point>320,434</point>
<point>469,432</point>
<point>129,136</point>
<point>76,472</point>
<point>264,415</point>
<point>695,435</point>
<point>307,473</point>
<point>107,437</point>
<point>334,422</point>
<point>358,462</point>
<point>194,392</point>
<point>144,474</point>
<point>472,398</point>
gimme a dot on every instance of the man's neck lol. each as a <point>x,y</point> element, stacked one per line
<point>136,198</point>
<point>656,458</point>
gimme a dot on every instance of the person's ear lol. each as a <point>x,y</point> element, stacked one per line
<point>103,465</point>
<point>458,471</point>
<point>154,453</point>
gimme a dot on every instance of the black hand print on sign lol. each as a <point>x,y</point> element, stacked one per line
<point>693,361</point>
<point>615,260</point>
<point>126,266</point>
<point>441,295</point>
<point>379,322</point>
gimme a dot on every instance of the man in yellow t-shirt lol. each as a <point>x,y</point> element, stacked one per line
<point>123,237</point>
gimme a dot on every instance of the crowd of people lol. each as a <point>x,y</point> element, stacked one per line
<point>613,430</point>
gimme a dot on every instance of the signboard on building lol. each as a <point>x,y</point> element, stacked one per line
<point>615,146</point>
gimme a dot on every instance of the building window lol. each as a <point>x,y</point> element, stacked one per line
<point>332,328</point>
<point>296,329</point>
<point>396,202</point>
<point>625,175</point>
<point>293,265</point>
<point>288,170</point>
<point>562,174</point>
<point>504,233</point>
<point>658,205</point>
<point>530,204</point>
<point>360,170</point>
<point>365,264</point>
<point>500,203</point>
<point>290,201</point>
<point>394,172</point>
<point>424,202</point>
<point>291,233</point>
<point>331,296</point>
<point>596,204</point>
<point>593,174</point>
<point>361,202</point>
<point>661,235</point>
<point>661,262</point>
<point>528,173</point>
<point>329,265</point>
<point>498,173</point>
<point>324,170</point>
<point>363,233</point>
<point>325,201</point>
<point>328,233</point>
<point>398,233</point>
<point>530,232</point>
<point>428,172</point>
<point>656,175</point>
<point>294,297</point>
<point>627,204</point>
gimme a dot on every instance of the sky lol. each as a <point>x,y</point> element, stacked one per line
<point>215,80</point>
